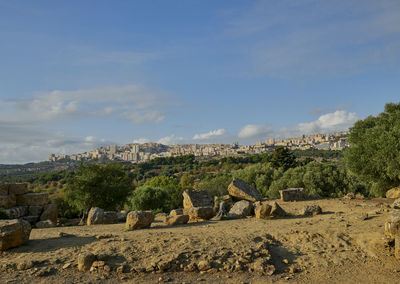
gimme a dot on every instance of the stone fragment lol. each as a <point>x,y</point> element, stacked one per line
<point>199,213</point>
<point>176,212</point>
<point>139,219</point>
<point>203,265</point>
<point>31,199</point>
<point>276,210</point>
<point>393,193</point>
<point>35,210</point>
<point>176,220</point>
<point>50,212</point>
<point>349,196</point>
<point>262,210</point>
<point>85,261</point>
<point>196,198</point>
<point>45,224</point>
<point>311,210</point>
<point>240,209</point>
<point>292,194</point>
<point>25,265</point>
<point>110,217</point>
<point>17,189</point>
<point>13,233</point>
<point>392,226</point>
<point>16,212</point>
<point>241,190</point>
<point>95,216</point>
<point>396,204</point>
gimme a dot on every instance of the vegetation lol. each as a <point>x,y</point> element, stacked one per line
<point>148,198</point>
<point>374,155</point>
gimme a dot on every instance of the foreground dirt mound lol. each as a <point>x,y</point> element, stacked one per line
<point>345,244</point>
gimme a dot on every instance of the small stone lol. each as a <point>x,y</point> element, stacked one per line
<point>85,261</point>
<point>204,265</point>
<point>285,261</point>
<point>67,265</point>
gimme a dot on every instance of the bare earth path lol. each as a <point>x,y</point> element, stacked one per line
<point>336,247</point>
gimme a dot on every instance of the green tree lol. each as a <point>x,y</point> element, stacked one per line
<point>106,187</point>
<point>374,155</point>
<point>283,158</point>
<point>148,198</point>
<point>186,181</point>
<point>171,186</point>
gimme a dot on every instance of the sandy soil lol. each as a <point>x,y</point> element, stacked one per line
<point>339,246</point>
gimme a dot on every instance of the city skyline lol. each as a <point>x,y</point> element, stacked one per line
<point>78,75</point>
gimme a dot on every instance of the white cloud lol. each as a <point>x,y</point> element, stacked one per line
<point>171,140</point>
<point>141,140</point>
<point>255,131</point>
<point>209,135</point>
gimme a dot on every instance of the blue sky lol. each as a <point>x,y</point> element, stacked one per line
<point>78,74</point>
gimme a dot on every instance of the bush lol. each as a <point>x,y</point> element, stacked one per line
<point>173,189</point>
<point>148,198</point>
<point>216,185</point>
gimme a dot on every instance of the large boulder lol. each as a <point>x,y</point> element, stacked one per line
<point>392,225</point>
<point>292,194</point>
<point>7,201</point>
<point>110,217</point>
<point>262,210</point>
<point>17,212</point>
<point>33,199</point>
<point>311,210</point>
<point>121,216</point>
<point>139,219</point>
<point>176,220</point>
<point>241,209</point>
<point>176,212</point>
<point>393,193</point>
<point>276,210</point>
<point>196,198</point>
<point>241,190</point>
<point>199,213</point>
<point>45,224</point>
<point>50,212</point>
<point>95,216</point>
<point>14,233</point>
<point>35,210</point>
<point>17,189</point>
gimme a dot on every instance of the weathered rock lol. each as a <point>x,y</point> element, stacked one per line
<point>262,210</point>
<point>35,210</point>
<point>176,220</point>
<point>199,213</point>
<point>349,196</point>
<point>396,204</point>
<point>276,210</point>
<point>176,212</point>
<point>292,194</point>
<point>95,216</point>
<point>393,193</point>
<point>139,219</point>
<point>13,233</point>
<point>31,219</point>
<point>204,265</point>
<point>7,201</point>
<point>85,261</point>
<point>196,198</point>
<point>121,216</point>
<point>241,190</point>
<point>3,189</point>
<point>240,209</point>
<point>45,224</point>
<point>50,212</point>
<point>33,199</point>
<point>17,189</point>
<point>222,212</point>
<point>392,225</point>
<point>260,267</point>
<point>397,246</point>
<point>17,212</point>
<point>110,217</point>
<point>311,210</point>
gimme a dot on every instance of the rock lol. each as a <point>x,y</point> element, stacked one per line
<point>176,212</point>
<point>276,210</point>
<point>240,209</point>
<point>311,210</point>
<point>392,226</point>
<point>45,224</point>
<point>262,210</point>
<point>196,198</point>
<point>139,219</point>
<point>222,212</point>
<point>349,196</point>
<point>292,194</point>
<point>95,216</point>
<point>199,213</point>
<point>50,212</point>
<point>396,204</point>
<point>33,199</point>
<point>359,196</point>
<point>121,217</point>
<point>176,220</point>
<point>241,190</point>
<point>110,217</point>
<point>25,265</point>
<point>397,246</point>
<point>13,233</point>
<point>31,219</point>
<point>203,265</point>
<point>17,212</point>
<point>17,189</point>
<point>85,261</point>
<point>35,210</point>
<point>7,201</point>
<point>262,268</point>
<point>393,193</point>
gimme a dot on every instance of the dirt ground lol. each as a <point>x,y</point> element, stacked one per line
<point>339,246</point>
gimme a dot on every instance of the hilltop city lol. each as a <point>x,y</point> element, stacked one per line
<point>137,153</point>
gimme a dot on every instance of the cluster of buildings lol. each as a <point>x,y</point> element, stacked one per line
<point>137,153</point>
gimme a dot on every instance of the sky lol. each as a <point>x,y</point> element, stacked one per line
<point>79,74</point>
